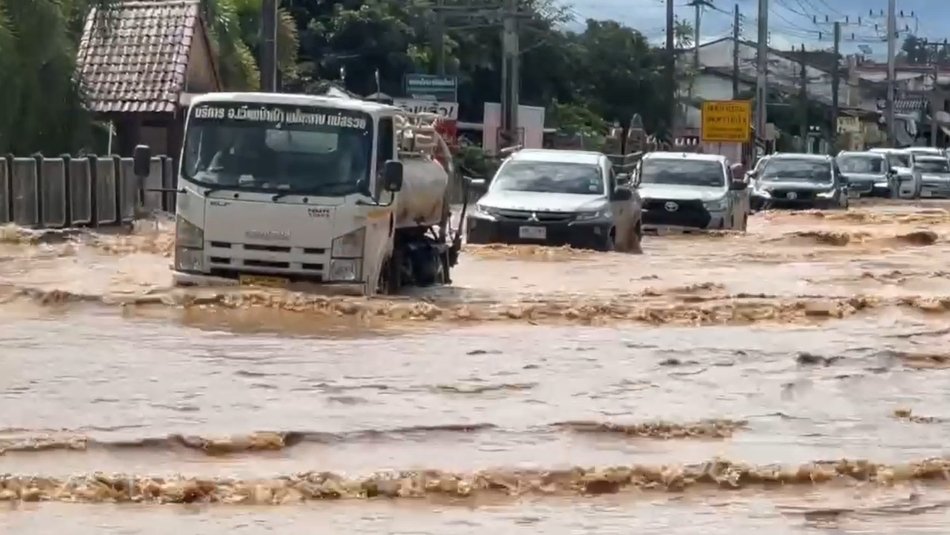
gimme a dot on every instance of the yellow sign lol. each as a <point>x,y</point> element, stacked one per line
<point>727,121</point>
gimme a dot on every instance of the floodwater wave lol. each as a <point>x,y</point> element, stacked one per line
<point>28,441</point>
<point>311,486</point>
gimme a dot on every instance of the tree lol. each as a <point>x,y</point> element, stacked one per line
<point>683,34</point>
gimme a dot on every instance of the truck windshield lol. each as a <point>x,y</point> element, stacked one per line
<point>681,172</point>
<point>861,163</point>
<point>276,148</point>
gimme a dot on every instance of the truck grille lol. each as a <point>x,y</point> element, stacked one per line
<point>691,214</point>
<point>781,194</point>
<point>232,259</point>
<point>543,217</point>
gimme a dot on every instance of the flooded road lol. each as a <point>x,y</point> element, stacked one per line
<point>792,379</point>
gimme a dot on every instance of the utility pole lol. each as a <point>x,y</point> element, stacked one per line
<point>670,63</point>
<point>891,75</point>
<point>803,101</point>
<point>438,38</point>
<point>698,5</point>
<point>735,53</point>
<point>761,79</point>
<point>510,79</point>
<point>269,46</point>
<point>835,85</point>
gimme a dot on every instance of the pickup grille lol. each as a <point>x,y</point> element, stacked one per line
<point>690,214</point>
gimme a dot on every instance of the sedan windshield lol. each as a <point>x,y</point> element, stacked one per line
<point>278,148</point>
<point>681,172</point>
<point>795,169</point>
<point>933,165</point>
<point>550,177</point>
<point>861,163</point>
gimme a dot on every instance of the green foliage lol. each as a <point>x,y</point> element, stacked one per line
<point>605,73</point>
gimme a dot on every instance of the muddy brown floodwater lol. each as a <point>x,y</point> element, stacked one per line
<point>794,379</point>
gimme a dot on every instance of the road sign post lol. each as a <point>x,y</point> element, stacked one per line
<point>727,121</point>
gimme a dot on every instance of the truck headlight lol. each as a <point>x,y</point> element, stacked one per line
<point>349,245</point>
<point>344,270</point>
<point>717,205</point>
<point>189,259</point>
<point>827,194</point>
<point>187,234</point>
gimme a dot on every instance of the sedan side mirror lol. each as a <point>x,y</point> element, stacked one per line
<point>392,175</point>
<point>622,195</point>
<point>141,160</point>
<point>738,185</point>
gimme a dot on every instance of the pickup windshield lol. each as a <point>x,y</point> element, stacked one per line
<point>933,165</point>
<point>861,163</point>
<point>277,148</point>
<point>682,172</point>
<point>795,169</point>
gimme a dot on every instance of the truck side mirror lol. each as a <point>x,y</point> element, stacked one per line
<point>141,160</point>
<point>392,175</point>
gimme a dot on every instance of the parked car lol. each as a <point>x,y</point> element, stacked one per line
<point>935,173</point>
<point>802,181</point>
<point>686,192</point>
<point>908,176</point>
<point>558,197</point>
<point>868,173</point>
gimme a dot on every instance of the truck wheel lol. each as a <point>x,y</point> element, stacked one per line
<point>608,244</point>
<point>390,276</point>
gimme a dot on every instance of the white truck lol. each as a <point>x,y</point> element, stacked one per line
<point>279,189</point>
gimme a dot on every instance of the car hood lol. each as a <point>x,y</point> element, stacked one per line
<point>680,193</point>
<point>794,184</point>
<point>542,202</point>
<point>936,176</point>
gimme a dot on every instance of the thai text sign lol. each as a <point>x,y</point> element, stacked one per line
<point>727,121</point>
<point>431,87</point>
<point>449,110</point>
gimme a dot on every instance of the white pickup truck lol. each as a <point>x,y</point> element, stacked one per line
<point>279,189</point>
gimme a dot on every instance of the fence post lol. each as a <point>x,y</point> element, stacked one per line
<point>40,223</point>
<point>7,162</point>
<point>94,191</point>
<point>67,190</point>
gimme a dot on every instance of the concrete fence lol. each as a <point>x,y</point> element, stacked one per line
<point>93,191</point>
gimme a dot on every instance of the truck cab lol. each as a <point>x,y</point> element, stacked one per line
<point>278,189</point>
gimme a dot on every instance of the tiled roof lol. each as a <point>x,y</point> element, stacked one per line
<point>133,56</point>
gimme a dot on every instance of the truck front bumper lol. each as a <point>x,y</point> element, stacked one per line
<point>187,279</point>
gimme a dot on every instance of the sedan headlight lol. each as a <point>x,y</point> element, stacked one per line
<point>603,213</point>
<point>717,205</point>
<point>485,210</point>
<point>187,234</point>
<point>349,245</point>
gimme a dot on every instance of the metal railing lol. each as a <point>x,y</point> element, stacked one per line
<point>61,192</point>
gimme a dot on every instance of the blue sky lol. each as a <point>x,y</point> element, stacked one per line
<point>790,21</point>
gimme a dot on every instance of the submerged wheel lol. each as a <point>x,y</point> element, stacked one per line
<point>609,243</point>
<point>636,240</point>
<point>390,276</point>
